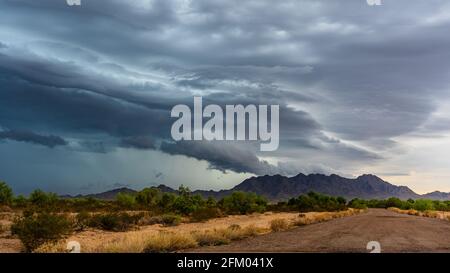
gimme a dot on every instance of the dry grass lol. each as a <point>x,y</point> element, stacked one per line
<point>158,238</point>
<point>211,238</point>
<point>169,242</point>
<point>7,216</point>
<point>134,242</point>
<point>224,236</point>
<point>444,215</point>
<point>6,209</point>
<point>3,228</point>
<point>317,217</point>
<point>279,224</point>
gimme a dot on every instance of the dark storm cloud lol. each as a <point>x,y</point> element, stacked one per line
<point>221,156</point>
<point>101,147</point>
<point>50,141</point>
<point>138,142</point>
<point>348,77</point>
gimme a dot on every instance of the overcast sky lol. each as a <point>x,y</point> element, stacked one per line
<point>86,92</point>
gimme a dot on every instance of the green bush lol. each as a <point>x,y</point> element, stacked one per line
<point>167,201</point>
<point>87,204</point>
<point>36,229</point>
<point>82,220</point>
<point>423,204</point>
<point>206,213</point>
<point>170,219</point>
<point>20,201</point>
<point>6,194</point>
<point>441,206</point>
<point>243,203</point>
<point>394,202</point>
<point>125,201</point>
<point>357,204</point>
<point>186,203</point>
<point>43,200</point>
<point>317,202</point>
<point>149,197</point>
<point>114,221</point>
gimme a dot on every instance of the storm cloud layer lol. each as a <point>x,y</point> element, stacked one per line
<point>358,86</point>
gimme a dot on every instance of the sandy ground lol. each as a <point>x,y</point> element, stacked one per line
<point>92,239</point>
<point>395,232</point>
<point>7,243</point>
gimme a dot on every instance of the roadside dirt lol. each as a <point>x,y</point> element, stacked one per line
<point>395,233</point>
<point>93,239</point>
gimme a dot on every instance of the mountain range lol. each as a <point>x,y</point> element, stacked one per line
<point>279,188</point>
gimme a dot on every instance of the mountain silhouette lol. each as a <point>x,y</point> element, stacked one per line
<point>280,188</point>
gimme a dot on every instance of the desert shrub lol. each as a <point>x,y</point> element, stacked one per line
<point>278,224</point>
<point>357,203</point>
<point>394,202</point>
<point>375,203</point>
<point>150,220</point>
<point>125,200</point>
<point>186,203</point>
<point>170,220</point>
<point>114,221</point>
<point>423,204</point>
<point>279,207</point>
<point>6,194</point>
<point>42,200</point>
<point>82,220</point>
<point>243,203</point>
<point>206,213</point>
<point>36,229</point>
<point>87,204</point>
<point>169,242</point>
<point>438,205</point>
<point>20,201</point>
<point>211,202</point>
<point>317,202</point>
<point>167,201</point>
<point>149,197</point>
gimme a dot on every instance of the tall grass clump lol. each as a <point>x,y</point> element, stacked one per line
<point>169,242</point>
<point>279,224</point>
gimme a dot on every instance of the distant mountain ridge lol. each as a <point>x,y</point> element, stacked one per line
<point>107,195</point>
<point>279,188</point>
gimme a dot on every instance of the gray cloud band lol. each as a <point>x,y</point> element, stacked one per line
<point>343,83</point>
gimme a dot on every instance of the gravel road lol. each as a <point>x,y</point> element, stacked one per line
<point>395,233</point>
